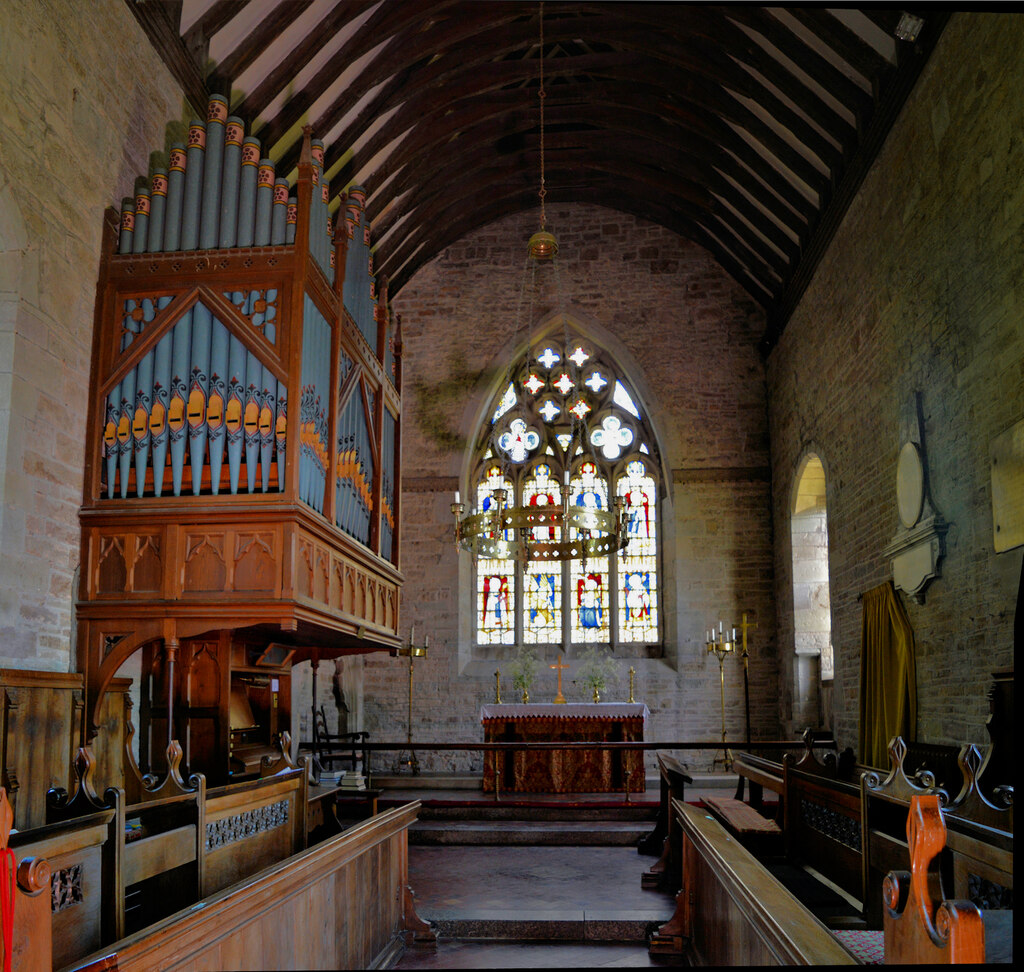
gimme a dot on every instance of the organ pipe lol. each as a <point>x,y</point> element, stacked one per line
<point>202,410</point>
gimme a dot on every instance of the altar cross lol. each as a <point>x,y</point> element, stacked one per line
<point>559,666</point>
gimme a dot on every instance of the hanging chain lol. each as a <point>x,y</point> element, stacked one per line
<point>541,95</point>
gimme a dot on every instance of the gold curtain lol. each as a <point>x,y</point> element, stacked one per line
<point>888,681</point>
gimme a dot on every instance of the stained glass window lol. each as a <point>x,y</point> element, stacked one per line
<point>638,562</point>
<point>588,581</point>
<point>495,578</point>
<point>567,407</point>
<point>542,616</point>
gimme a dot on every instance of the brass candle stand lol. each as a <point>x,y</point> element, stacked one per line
<point>411,651</point>
<point>719,645</point>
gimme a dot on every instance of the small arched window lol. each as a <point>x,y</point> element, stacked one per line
<point>566,414</point>
<point>812,617</point>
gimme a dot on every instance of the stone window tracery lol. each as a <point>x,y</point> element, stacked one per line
<point>567,413</point>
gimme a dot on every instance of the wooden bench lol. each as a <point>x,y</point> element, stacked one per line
<point>732,911</point>
<point>976,863</point>
<point>760,773</point>
<point>822,838</point>
<point>755,832</point>
<point>664,840</point>
<point>56,917</point>
<point>288,915</point>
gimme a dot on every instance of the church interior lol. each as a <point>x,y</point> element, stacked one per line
<point>451,444</point>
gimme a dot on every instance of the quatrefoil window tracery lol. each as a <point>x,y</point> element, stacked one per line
<point>612,437</point>
<point>549,358</point>
<point>519,441</point>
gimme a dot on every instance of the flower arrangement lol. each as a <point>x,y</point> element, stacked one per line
<point>524,668</point>
<point>596,670</point>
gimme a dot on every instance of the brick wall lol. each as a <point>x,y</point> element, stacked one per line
<point>921,290</point>
<point>84,99</point>
<point>687,337</point>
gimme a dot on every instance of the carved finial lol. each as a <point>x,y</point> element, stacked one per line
<point>970,761</point>
<point>897,753</point>
<point>85,765</point>
<point>174,757</point>
<point>34,875</point>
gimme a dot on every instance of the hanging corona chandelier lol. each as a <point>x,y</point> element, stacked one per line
<point>503,530</point>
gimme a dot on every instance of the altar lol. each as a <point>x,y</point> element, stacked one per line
<point>564,770</point>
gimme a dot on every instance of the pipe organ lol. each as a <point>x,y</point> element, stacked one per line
<point>242,465</point>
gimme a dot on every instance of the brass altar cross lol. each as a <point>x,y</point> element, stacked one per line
<point>559,666</point>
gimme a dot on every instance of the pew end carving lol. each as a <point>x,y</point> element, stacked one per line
<point>919,927</point>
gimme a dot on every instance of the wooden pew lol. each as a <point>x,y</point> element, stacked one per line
<point>918,929</point>
<point>732,911</point>
<point>26,925</point>
<point>976,862</point>
<point>760,773</point>
<point>771,838</point>
<point>344,903</point>
<point>664,839</point>
<point>822,833</point>
<point>179,841</point>
<point>249,826</point>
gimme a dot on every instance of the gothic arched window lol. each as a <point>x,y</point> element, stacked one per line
<point>566,414</point>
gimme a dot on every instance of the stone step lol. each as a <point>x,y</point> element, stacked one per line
<point>484,811</point>
<point>547,926</point>
<point>526,833</point>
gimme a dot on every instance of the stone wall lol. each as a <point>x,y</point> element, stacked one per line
<point>686,335</point>
<point>84,100</point>
<point>922,289</point>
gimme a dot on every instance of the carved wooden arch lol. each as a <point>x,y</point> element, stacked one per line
<point>100,669</point>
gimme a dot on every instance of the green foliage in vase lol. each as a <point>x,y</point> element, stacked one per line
<point>524,668</point>
<point>597,668</point>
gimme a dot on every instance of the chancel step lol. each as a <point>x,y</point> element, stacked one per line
<point>552,833</point>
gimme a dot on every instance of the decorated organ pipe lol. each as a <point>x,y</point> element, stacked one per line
<point>198,366</point>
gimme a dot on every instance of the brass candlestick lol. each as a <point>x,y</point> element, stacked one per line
<point>721,646</point>
<point>411,651</point>
<point>632,672</point>
<point>497,687</point>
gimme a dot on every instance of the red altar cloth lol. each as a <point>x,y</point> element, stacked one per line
<point>565,770</point>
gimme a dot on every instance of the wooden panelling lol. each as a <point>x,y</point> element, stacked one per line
<point>338,905</point>
<point>153,855</point>
<point>39,730</point>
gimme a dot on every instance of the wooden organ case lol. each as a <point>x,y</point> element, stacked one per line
<point>242,473</point>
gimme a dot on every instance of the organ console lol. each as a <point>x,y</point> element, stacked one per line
<point>243,438</point>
